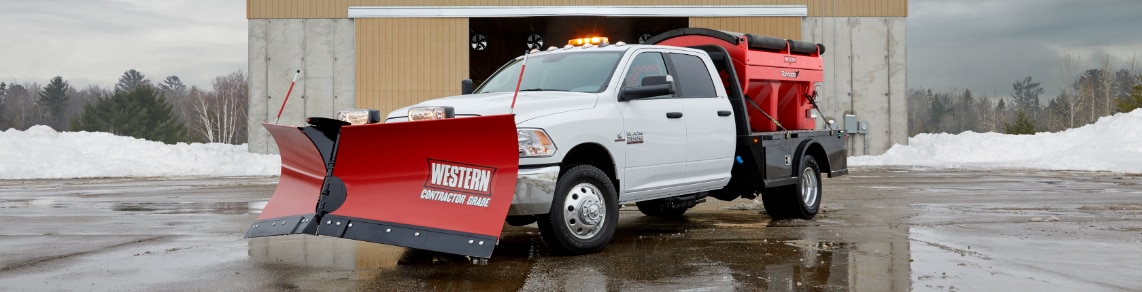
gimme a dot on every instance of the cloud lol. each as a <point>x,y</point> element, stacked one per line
<point>95,41</point>
<point>987,45</point>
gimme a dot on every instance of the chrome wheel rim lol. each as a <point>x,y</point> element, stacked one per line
<point>584,212</point>
<point>809,187</point>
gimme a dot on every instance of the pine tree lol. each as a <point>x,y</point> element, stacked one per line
<point>1131,102</point>
<point>54,98</point>
<point>173,85</point>
<point>131,79</point>
<point>141,113</point>
<point>1022,126</point>
<point>1026,95</point>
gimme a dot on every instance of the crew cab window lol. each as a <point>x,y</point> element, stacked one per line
<point>644,65</point>
<point>692,77</point>
<point>576,72</point>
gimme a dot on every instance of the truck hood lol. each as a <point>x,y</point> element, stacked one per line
<point>529,105</point>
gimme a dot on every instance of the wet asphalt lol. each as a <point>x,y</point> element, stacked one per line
<point>880,230</point>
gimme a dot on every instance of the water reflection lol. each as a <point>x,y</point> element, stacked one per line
<point>222,208</point>
<point>706,251</point>
<point>323,252</point>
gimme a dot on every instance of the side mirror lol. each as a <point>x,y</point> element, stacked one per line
<point>466,86</point>
<point>651,86</point>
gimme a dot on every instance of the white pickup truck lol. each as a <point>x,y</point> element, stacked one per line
<point>605,125</point>
<point>700,113</point>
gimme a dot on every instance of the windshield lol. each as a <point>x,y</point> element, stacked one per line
<point>577,72</point>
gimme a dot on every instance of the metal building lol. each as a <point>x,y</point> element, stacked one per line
<point>386,54</point>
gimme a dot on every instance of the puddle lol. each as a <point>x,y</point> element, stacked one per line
<point>708,252</point>
<point>49,202</point>
<point>223,208</point>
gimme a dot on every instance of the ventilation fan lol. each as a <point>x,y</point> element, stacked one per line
<point>643,38</point>
<point>479,42</point>
<point>535,42</point>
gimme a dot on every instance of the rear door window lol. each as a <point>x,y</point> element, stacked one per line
<point>692,76</point>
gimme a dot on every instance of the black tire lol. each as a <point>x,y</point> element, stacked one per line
<point>800,200</point>
<point>660,208</point>
<point>520,220</point>
<point>583,214</point>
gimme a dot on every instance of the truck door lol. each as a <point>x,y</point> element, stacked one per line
<point>654,133</point>
<point>710,128</point>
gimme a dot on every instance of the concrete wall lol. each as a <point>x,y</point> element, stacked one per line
<point>325,52</point>
<point>865,62</point>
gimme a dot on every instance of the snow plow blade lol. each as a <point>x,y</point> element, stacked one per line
<point>441,185</point>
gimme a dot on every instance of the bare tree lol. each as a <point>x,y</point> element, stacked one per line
<point>1107,85</point>
<point>1069,69</point>
<point>21,106</point>
<point>1087,93</point>
<point>988,120</point>
<point>81,98</point>
<point>220,115</point>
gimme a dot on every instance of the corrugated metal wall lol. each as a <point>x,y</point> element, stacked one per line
<point>340,8</point>
<point>782,27</point>
<point>402,61</point>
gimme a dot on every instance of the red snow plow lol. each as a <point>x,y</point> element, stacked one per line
<point>443,185</point>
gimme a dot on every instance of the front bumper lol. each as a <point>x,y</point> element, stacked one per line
<point>534,191</point>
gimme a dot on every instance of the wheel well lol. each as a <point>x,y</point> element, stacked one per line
<point>818,153</point>
<point>591,154</point>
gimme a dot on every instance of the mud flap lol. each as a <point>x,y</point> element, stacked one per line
<point>442,185</point>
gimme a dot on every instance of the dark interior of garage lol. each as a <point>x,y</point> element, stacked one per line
<point>494,41</point>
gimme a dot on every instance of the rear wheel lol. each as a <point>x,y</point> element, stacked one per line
<point>583,214</point>
<point>660,208</point>
<point>800,200</point>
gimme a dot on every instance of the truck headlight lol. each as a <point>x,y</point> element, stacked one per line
<point>535,143</point>
<point>430,113</point>
<point>359,116</point>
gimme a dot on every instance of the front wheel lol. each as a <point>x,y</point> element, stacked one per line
<point>583,214</point>
<point>800,200</point>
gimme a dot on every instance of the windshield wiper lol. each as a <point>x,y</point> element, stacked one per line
<point>542,89</point>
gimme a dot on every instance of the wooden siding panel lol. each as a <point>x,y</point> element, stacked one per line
<point>393,73</point>
<point>339,8</point>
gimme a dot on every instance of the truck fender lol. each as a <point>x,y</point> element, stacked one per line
<point>814,148</point>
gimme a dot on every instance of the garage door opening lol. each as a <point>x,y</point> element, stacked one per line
<point>494,41</point>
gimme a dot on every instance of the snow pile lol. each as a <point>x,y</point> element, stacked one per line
<point>1113,143</point>
<point>41,152</point>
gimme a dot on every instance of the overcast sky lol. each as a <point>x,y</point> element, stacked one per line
<point>95,41</point>
<point>986,45</point>
<point>982,45</point>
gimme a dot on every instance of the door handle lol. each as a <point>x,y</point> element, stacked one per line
<point>673,115</point>
<point>724,113</point>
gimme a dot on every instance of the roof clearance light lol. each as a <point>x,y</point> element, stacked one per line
<point>588,41</point>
